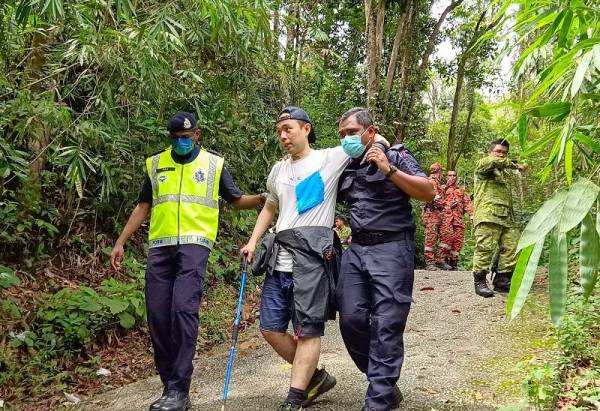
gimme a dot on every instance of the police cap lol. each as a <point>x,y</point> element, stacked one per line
<point>182,121</point>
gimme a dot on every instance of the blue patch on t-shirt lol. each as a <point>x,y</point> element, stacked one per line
<point>310,192</point>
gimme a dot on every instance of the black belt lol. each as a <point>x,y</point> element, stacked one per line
<point>379,237</point>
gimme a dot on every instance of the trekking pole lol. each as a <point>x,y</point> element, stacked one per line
<point>234,334</point>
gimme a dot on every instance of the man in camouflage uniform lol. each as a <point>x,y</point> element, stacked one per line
<point>494,218</point>
<point>457,203</point>
<point>432,218</point>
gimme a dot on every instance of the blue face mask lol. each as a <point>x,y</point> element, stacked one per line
<point>353,146</point>
<point>182,145</point>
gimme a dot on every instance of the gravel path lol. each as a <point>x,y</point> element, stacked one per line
<point>460,355</point>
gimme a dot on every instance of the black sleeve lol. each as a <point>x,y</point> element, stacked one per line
<point>406,162</point>
<point>146,191</point>
<point>227,188</point>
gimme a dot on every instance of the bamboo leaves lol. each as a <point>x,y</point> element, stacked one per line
<point>523,277</point>
<point>557,275</point>
<point>582,69</point>
<point>589,254</point>
<point>566,209</point>
<point>560,214</point>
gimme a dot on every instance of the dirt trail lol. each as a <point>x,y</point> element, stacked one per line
<point>461,354</point>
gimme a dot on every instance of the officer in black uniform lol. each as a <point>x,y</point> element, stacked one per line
<point>375,287</point>
<point>175,269</point>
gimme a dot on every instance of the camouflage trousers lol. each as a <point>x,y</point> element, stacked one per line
<point>452,238</point>
<point>489,237</point>
<point>432,221</point>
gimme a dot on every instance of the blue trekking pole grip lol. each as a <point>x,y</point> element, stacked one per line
<point>235,331</point>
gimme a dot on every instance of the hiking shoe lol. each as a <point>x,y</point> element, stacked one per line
<point>288,406</point>
<point>319,384</point>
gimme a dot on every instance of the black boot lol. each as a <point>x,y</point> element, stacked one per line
<point>176,401</point>
<point>481,287</point>
<point>155,406</point>
<point>501,282</point>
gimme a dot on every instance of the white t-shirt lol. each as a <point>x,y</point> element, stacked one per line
<point>281,185</point>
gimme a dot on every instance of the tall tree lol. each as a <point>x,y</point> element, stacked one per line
<point>375,26</point>
<point>469,50</point>
<point>410,90</point>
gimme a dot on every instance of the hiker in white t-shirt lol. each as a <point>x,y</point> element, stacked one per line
<point>302,189</point>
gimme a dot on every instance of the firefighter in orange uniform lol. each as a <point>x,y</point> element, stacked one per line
<point>457,203</point>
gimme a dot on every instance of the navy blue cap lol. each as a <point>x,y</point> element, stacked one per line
<point>296,113</point>
<point>182,121</point>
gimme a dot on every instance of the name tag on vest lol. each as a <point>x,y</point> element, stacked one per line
<point>162,170</point>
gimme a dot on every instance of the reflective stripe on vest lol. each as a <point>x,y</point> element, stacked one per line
<point>185,199</point>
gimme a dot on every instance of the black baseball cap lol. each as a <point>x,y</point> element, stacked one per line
<point>182,121</point>
<point>296,113</point>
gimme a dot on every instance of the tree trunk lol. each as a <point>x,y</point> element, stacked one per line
<point>276,28</point>
<point>432,40</point>
<point>391,70</point>
<point>37,132</point>
<point>465,136</point>
<point>292,31</point>
<point>460,79</point>
<point>375,19</point>
<point>417,85</point>
<point>406,86</point>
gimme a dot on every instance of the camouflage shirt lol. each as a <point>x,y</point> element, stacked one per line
<point>494,177</point>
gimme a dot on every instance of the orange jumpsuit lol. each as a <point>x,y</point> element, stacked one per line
<point>457,203</point>
<point>432,218</point>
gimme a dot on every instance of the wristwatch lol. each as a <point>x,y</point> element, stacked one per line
<point>393,169</point>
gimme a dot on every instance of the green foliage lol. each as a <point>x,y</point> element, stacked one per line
<point>90,101</point>
<point>8,308</point>
<point>561,213</point>
<point>70,319</point>
<point>8,278</point>
<point>569,376</point>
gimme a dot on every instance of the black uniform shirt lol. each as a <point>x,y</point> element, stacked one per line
<point>227,188</point>
<point>376,204</point>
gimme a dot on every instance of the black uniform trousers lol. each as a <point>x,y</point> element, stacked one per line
<point>374,294</point>
<point>174,284</point>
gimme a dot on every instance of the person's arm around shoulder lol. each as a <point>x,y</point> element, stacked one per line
<point>137,217</point>
<point>416,186</point>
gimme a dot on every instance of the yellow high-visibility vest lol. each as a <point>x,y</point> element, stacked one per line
<point>185,199</point>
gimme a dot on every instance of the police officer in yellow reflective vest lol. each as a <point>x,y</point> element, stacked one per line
<point>182,188</point>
